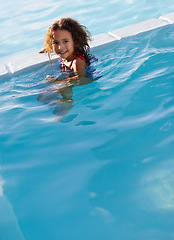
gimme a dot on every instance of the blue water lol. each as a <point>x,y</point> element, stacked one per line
<point>23,23</point>
<point>106,169</point>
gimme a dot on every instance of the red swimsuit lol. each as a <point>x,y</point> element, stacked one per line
<point>77,54</point>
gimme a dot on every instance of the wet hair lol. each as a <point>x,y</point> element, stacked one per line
<point>80,35</point>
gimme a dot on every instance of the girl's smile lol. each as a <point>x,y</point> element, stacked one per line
<point>63,44</point>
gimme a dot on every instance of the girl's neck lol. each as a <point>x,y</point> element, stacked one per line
<point>69,59</point>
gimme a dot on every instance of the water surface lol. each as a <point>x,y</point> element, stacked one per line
<point>106,169</point>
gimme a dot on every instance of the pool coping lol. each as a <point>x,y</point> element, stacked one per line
<point>22,63</point>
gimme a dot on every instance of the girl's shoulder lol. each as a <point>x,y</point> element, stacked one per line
<point>78,64</point>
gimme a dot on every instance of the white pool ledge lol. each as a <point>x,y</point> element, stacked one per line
<point>168,17</point>
<point>28,62</point>
<point>102,40</point>
<point>138,28</point>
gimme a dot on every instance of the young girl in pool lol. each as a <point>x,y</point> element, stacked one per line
<point>69,40</point>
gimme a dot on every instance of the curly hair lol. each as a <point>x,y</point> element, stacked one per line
<point>80,35</point>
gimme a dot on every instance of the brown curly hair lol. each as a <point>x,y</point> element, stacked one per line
<point>80,35</point>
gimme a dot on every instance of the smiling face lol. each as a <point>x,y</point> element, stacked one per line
<point>63,44</point>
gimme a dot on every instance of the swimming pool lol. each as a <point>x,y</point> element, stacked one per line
<point>105,170</point>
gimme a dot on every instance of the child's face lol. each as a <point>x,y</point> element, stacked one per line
<point>63,44</point>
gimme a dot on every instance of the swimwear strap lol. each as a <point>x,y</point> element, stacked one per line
<point>77,54</point>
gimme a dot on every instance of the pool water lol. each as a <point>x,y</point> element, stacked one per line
<point>106,169</point>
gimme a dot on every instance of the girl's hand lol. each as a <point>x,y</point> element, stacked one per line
<point>49,79</point>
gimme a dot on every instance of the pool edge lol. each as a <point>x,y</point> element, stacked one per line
<point>20,65</point>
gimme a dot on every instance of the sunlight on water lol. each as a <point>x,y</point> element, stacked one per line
<point>159,186</point>
<point>1,186</point>
<point>100,166</point>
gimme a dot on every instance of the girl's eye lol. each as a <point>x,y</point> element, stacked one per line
<point>66,41</point>
<point>55,42</point>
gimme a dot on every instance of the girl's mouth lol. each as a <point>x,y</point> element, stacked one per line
<point>62,52</point>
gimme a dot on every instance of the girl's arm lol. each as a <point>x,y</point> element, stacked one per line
<point>78,67</point>
<point>66,91</point>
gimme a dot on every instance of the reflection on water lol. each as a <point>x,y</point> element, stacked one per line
<point>1,186</point>
<point>59,96</point>
<point>9,227</point>
<point>103,214</point>
<point>109,165</point>
<point>158,185</point>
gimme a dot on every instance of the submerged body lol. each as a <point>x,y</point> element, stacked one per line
<point>69,40</point>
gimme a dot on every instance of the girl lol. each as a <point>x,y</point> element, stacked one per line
<point>69,40</point>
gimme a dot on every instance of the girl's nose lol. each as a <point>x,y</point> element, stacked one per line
<point>60,46</point>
